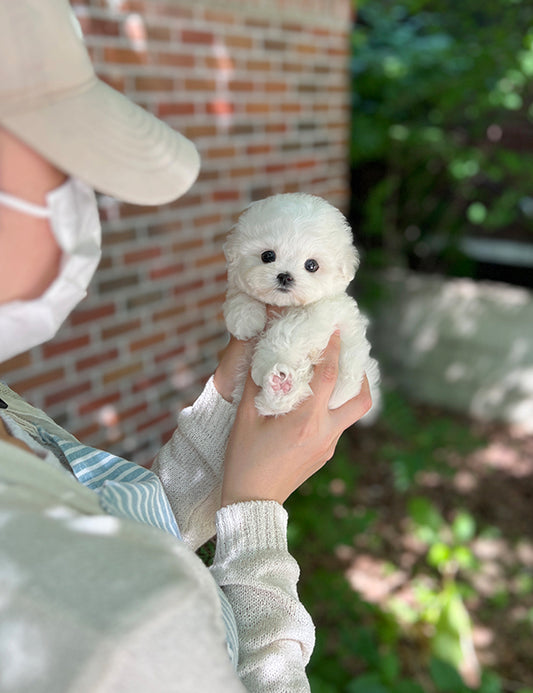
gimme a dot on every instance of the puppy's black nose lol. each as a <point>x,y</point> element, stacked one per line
<point>285,279</point>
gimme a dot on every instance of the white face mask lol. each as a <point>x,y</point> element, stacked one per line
<point>74,220</point>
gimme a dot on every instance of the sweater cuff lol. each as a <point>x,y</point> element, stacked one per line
<point>207,423</point>
<point>251,526</point>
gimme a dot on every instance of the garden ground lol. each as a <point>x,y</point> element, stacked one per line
<point>415,517</point>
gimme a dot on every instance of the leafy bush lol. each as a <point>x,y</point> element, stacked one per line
<point>416,645</point>
<point>442,121</point>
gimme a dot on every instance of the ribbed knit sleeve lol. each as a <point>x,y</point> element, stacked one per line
<point>190,464</point>
<point>259,577</point>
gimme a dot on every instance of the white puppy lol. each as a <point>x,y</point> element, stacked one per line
<point>296,251</point>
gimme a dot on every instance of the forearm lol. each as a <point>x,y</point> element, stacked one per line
<point>190,465</point>
<point>259,577</point>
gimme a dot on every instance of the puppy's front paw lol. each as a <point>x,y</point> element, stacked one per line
<point>280,381</point>
<point>244,319</point>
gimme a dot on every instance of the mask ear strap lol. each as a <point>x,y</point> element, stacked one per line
<point>22,206</point>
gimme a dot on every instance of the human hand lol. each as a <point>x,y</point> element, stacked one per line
<point>234,359</point>
<point>267,458</point>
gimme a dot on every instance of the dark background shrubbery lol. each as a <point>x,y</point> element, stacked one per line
<point>442,129</point>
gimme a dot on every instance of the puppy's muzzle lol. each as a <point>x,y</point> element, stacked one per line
<point>285,281</point>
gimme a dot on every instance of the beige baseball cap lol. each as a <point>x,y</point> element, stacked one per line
<point>51,99</point>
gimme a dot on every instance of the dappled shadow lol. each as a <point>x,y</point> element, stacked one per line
<point>461,344</point>
<point>494,483</point>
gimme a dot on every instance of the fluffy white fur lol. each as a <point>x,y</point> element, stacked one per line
<point>293,229</point>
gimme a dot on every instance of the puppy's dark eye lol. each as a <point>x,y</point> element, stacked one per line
<point>268,256</point>
<point>311,265</point>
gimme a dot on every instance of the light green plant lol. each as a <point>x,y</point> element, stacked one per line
<point>442,605</point>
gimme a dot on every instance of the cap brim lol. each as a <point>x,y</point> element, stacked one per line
<point>118,148</point>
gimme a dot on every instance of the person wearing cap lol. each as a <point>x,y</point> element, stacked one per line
<point>100,587</point>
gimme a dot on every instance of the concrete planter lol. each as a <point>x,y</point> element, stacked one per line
<point>458,343</point>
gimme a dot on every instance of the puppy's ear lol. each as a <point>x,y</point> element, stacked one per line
<point>229,247</point>
<point>350,263</point>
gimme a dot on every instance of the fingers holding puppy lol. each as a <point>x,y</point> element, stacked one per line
<point>354,409</point>
<point>327,370</point>
<point>267,458</point>
<point>234,360</point>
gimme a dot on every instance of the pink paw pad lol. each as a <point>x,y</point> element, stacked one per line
<point>281,383</point>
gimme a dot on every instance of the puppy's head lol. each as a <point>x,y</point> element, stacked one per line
<point>290,250</point>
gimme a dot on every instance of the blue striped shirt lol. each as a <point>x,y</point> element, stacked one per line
<point>128,490</point>
<point>125,489</point>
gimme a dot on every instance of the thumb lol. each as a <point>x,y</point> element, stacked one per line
<point>327,369</point>
<point>250,392</point>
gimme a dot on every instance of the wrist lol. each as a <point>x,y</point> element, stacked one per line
<point>262,493</point>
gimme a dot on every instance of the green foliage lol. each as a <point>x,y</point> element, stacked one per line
<point>446,678</point>
<point>415,445</point>
<point>443,606</point>
<point>448,544</point>
<point>206,552</point>
<point>361,646</point>
<point>436,88</point>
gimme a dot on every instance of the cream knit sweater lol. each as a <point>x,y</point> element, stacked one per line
<point>252,563</point>
<point>96,604</point>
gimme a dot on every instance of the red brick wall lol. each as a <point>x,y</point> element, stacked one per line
<point>261,88</point>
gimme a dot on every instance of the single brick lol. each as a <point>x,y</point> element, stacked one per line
<point>81,316</point>
<point>219,17</point>
<point>272,45</point>
<point>170,354</point>
<point>207,220</point>
<point>178,108</point>
<point>121,329</point>
<point>208,85</point>
<point>169,313</point>
<point>125,56</point>
<point>147,424</point>
<point>144,299</point>
<point>166,271</point>
<point>122,282</point>
<point>239,41</point>
<point>67,393</point>
<point>37,381</point>
<point>258,108</point>
<point>98,403</point>
<point>197,37</point>
<point>210,300</point>
<point>146,383</point>
<point>147,342</point>
<point>96,359</point>
<point>210,260</point>
<point>153,83</point>
<point>17,362</point>
<point>137,256</point>
<point>122,373</point>
<point>226,195</point>
<point>169,59</point>
<point>62,347</point>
